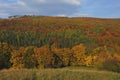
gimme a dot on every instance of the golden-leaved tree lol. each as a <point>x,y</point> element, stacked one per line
<point>44,57</point>
<point>64,54</point>
<point>79,54</point>
<point>24,58</point>
<point>17,59</point>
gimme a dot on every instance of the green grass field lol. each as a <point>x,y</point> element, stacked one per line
<point>58,74</point>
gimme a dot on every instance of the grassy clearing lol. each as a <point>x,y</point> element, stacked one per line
<point>58,74</point>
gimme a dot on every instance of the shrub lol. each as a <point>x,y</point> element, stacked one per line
<point>112,64</point>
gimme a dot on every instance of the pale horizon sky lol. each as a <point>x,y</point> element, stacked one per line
<point>70,8</point>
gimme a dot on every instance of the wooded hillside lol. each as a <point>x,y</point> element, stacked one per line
<point>42,41</point>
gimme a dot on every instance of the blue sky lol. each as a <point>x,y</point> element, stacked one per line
<point>82,8</point>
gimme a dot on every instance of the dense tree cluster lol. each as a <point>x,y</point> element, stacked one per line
<point>52,42</point>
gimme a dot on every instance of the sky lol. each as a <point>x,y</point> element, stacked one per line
<point>69,8</point>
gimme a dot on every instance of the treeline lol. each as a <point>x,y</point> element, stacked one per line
<point>51,42</point>
<point>54,57</point>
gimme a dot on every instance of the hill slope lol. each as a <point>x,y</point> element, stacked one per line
<point>71,31</point>
<point>34,42</point>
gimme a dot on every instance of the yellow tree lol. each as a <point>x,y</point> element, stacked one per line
<point>64,54</point>
<point>101,54</point>
<point>17,58</point>
<point>79,54</point>
<point>44,57</point>
<point>88,60</point>
<point>24,58</point>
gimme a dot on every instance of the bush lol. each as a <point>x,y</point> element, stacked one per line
<point>111,65</point>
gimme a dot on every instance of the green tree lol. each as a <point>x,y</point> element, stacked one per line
<point>29,58</point>
<point>5,55</point>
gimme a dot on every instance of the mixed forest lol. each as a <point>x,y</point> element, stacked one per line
<point>56,42</point>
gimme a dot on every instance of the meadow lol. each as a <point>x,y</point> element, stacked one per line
<point>73,73</point>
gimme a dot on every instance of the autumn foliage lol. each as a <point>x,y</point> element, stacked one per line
<point>53,42</point>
